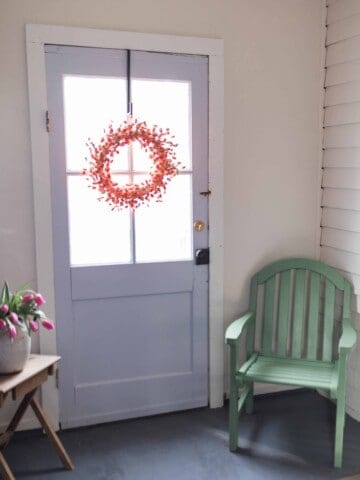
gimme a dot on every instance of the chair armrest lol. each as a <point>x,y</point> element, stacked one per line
<point>348,337</point>
<point>235,329</point>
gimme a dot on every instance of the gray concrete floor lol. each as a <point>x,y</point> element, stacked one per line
<point>289,436</point>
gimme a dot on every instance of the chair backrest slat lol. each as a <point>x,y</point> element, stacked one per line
<point>268,316</point>
<point>284,306</point>
<point>313,319</point>
<point>346,300</point>
<point>298,315</point>
<point>293,308</point>
<point>329,306</point>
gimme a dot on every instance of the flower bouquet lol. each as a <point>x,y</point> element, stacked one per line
<point>20,315</point>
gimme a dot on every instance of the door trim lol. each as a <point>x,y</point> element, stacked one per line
<point>36,37</point>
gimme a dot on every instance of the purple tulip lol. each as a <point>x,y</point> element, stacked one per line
<point>47,324</point>
<point>12,331</point>
<point>39,299</point>
<point>34,326</point>
<point>3,324</point>
<point>14,318</point>
<point>27,298</point>
<point>4,308</point>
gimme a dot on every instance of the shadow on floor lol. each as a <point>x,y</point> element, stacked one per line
<point>289,436</point>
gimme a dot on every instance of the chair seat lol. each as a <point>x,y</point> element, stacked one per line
<point>289,371</point>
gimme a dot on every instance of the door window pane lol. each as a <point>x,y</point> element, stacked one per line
<point>90,104</point>
<point>164,229</point>
<point>98,235</point>
<point>167,104</point>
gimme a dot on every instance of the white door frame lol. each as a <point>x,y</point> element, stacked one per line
<point>36,37</point>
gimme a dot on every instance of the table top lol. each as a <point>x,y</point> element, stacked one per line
<point>34,365</point>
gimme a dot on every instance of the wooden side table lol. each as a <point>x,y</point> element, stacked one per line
<point>24,385</point>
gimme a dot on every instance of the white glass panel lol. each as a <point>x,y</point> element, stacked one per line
<point>164,229</point>
<point>98,235</point>
<point>90,104</point>
<point>167,104</point>
<point>141,159</point>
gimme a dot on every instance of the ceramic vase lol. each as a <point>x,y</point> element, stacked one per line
<point>14,353</point>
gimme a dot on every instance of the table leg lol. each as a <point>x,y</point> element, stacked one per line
<point>64,457</point>
<point>5,469</point>
<point>6,437</point>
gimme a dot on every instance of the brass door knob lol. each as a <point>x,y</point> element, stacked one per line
<point>199,225</point>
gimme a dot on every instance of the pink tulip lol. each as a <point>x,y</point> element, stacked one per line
<point>27,298</point>
<point>34,326</point>
<point>12,331</point>
<point>39,299</point>
<point>47,324</point>
<point>4,308</point>
<point>3,324</point>
<point>14,318</point>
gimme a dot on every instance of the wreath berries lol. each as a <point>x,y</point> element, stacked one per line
<point>154,140</point>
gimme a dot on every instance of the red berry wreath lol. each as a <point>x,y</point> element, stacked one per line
<point>161,151</point>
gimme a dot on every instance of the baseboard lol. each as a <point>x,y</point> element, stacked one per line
<point>26,424</point>
<point>354,414</point>
<point>75,422</point>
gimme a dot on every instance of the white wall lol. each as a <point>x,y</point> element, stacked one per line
<point>341,178</point>
<point>273,56</point>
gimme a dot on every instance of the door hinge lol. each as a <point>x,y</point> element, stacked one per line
<point>47,121</point>
<point>57,378</point>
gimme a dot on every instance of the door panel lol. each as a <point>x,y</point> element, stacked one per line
<point>131,306</point>
<point>159,347</point>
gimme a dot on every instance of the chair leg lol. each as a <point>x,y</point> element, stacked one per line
<point>339,430</point>
<point>249,404</point>
<point>233,418</point>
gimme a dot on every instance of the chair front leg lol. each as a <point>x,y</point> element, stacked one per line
<point>233,401</point>
<point>339,431</point>
<point>340,409</point>
<point>233,419</point>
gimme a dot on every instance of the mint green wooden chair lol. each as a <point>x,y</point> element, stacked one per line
<point>297,337</point>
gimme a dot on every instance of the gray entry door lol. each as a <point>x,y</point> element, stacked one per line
<point>131,305</point>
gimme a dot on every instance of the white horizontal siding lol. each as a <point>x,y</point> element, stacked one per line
<point>341,219</point>
<point>344,51</point>
<point>341,177</point>
<point>342,114</point>
<point>342,73</point>
<point>341,240</point>
<point>345,199</point>
<point>342,157</point>
<point>343,29</point>
<point>340,223</point>
<point>343,93</point>
<point>342,136</point>
<point>342,9</point>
